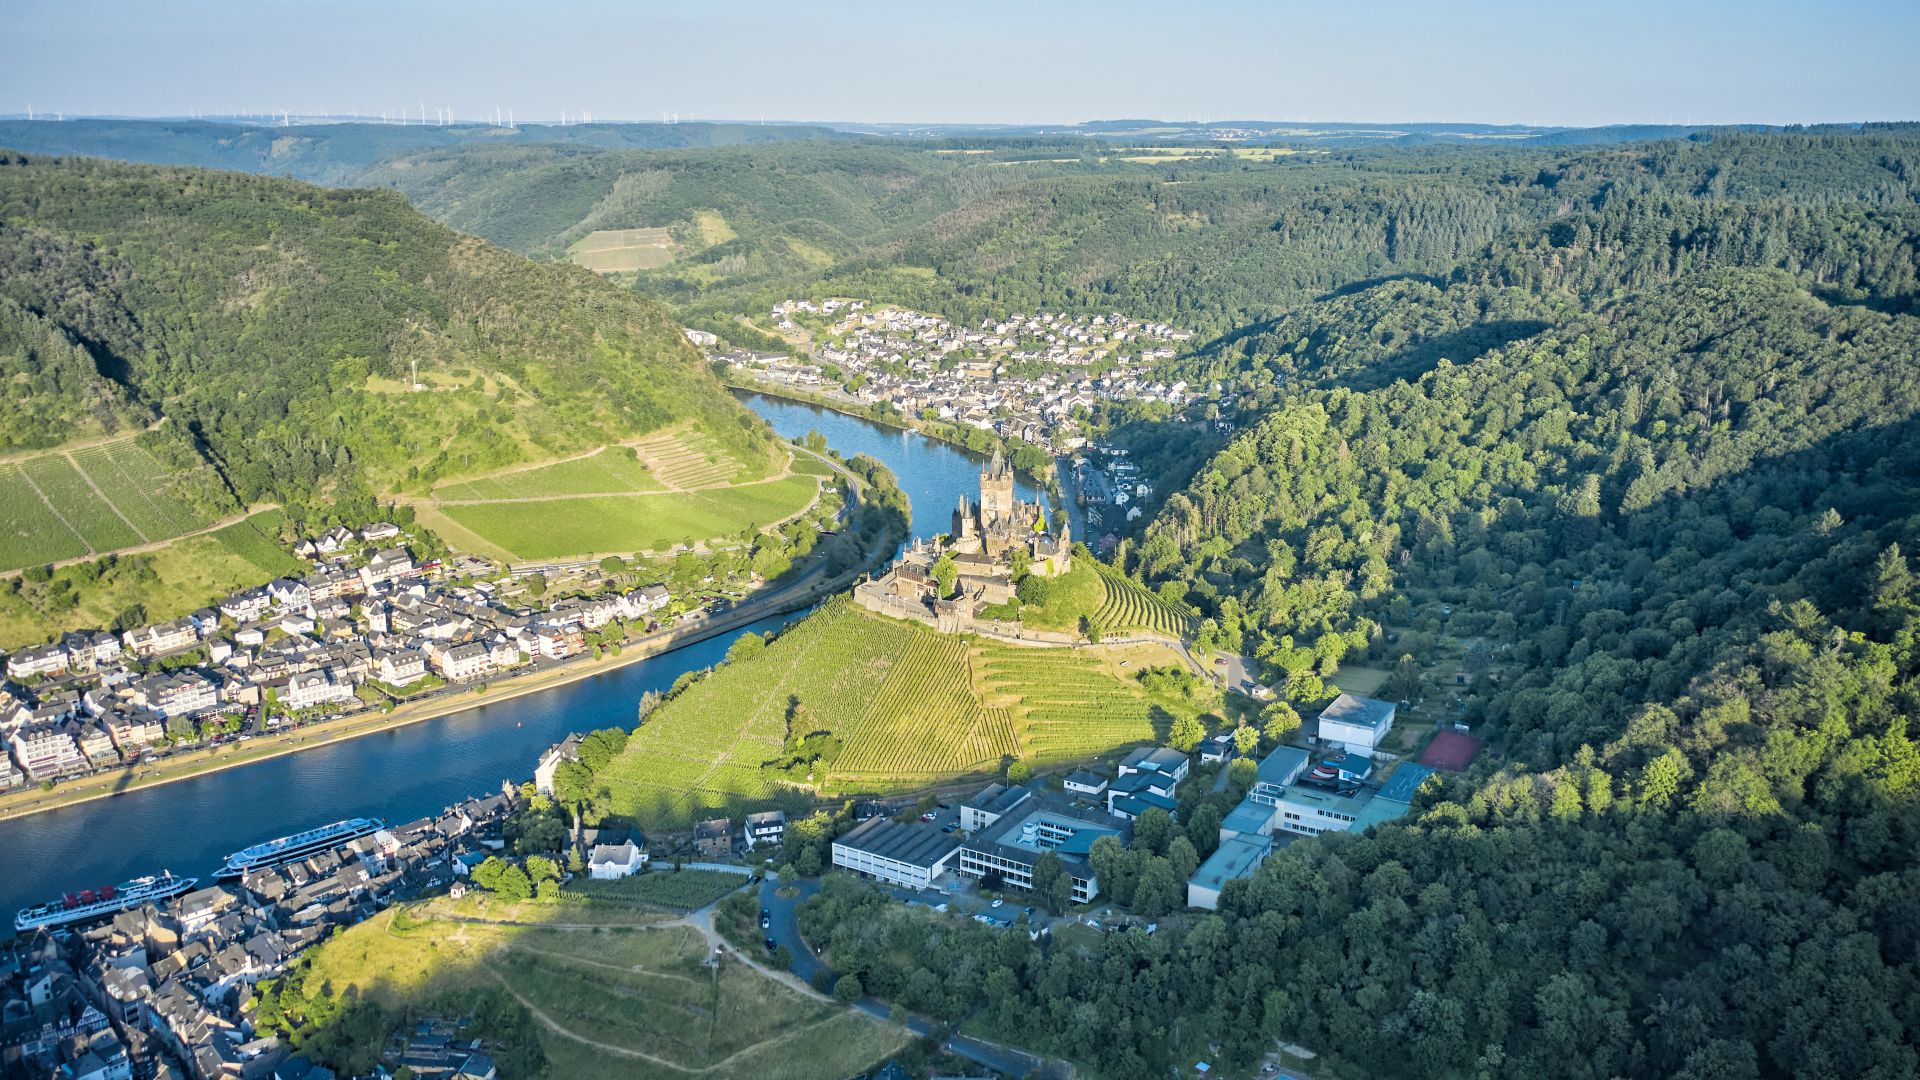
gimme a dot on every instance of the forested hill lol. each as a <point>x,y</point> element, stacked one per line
<point>1635,492</point>
<point>275,323</point>
<point>336,154</point>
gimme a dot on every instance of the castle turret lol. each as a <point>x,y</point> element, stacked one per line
<point>996,489</point>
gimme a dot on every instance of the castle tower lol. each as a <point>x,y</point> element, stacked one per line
<point>996,489</point>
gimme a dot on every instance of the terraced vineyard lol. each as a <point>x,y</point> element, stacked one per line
<point>101,498</point>
<point>1132,606</point>
<point>904,708</point>
<point>689,458</point>
<point>1063,705</point>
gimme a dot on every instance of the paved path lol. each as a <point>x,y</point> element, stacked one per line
<point>785,930</point>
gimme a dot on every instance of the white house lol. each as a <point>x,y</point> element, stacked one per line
<point>1357,723</point>
<point>769,827</point>
<point>612,861</point>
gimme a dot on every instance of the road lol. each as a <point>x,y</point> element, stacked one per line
<point>785,930</point>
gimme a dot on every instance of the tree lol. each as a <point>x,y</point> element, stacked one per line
<point>1151,831</point>
<point>1051,883</point>
<point>945,573</point>
<point>848,990</point>
<point>1278,722</point>
<point>536,585</point>
<point>1182,857</point>
<point>1245,739</point>
<point>1019,771</point>
<point>1186,733</point>
<point>1406,678</point>
<point>540,868</point>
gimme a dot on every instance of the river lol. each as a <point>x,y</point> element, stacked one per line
<point>189,826</point>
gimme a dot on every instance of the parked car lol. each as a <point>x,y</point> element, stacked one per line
<point>772,944</point>
<point>997,903</point>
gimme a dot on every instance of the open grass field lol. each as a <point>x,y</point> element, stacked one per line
<point>105,497</point>
<point>560,528</point>
<point>619,251</point>
<point>892,705</point>
<point>632,1001</point>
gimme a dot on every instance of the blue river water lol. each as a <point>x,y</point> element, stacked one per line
<point>189,826</point>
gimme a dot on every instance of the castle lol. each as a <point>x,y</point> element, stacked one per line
<point>988,540</point>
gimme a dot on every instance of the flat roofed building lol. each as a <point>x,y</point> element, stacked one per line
<point>1358,723</point>
<point>1236,857</point>
<point>1011,846</point>
<point>909,855</point>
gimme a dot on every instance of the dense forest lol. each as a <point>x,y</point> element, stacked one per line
<point>278,323</point>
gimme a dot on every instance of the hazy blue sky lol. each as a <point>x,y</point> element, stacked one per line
<point>1500,61</point>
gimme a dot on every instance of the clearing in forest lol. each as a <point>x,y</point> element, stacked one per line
<point>621,251</point>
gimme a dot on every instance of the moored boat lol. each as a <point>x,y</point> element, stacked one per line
<point>89,904</point>
<point>297,846</point>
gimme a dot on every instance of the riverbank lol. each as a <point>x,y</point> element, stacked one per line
<point>805,590</point>
<point>845,406</point>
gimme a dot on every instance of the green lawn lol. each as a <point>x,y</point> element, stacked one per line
<point>562,528</point>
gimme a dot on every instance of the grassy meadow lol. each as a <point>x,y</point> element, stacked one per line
<point>612,993</point>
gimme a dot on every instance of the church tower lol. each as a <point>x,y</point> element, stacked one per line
<point>996,490</point>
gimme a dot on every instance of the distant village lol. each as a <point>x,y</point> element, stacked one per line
<point>1028,377</point>
<point>367,627</point>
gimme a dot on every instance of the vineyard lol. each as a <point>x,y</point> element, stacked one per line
<point>1064,705</point>
<point>849,702</point>
<point>101,498</point>
<point>609,470</point>
<point>1132,606</point>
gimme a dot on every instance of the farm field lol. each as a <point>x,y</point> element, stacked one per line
<point>166,583</point>
<point>619,251</point>
<point>873,705</point>
<point>611,469</point>
<point>570,527</point>
<point>672,487</point>
<point>607,1000</point>
<point>66,505</point>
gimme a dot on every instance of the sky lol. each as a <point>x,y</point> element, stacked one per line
<point>975,61</point>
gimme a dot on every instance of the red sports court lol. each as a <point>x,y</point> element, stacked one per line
<point>1451,750</point>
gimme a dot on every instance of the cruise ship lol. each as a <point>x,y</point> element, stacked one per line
<point>89,904</point>
<point>298,846</point>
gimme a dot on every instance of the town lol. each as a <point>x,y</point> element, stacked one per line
<point>368,628</point>
<point>170,988</point>
<point>1036,378</point>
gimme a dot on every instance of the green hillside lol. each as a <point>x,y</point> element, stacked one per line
<point>278,323</point>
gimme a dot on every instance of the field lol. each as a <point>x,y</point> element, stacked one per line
<point>1131,606</point>
<point>168,582</point>
<point>618,251</point>
<point>680,890</point>
<point>673,487</point>
<point>609,1000</point>
<point>101,498</point>
<point>559,528</point>
<point>610,470</point>
<point>886,705</point>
